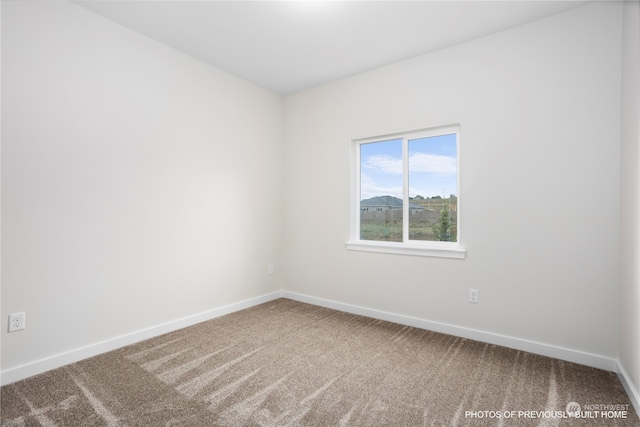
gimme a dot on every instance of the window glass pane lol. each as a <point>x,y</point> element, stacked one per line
<point>433,202</point>
<point>381,191</point>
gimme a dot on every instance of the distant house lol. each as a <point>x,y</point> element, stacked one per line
<point>384,203</point>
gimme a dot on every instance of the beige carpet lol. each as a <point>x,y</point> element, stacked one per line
<point>286,363</point>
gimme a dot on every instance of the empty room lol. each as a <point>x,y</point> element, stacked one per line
<point>310,213</point>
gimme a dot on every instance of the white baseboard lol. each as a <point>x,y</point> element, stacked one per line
<point>569,355</point>
<point>27,370</point>
<point>632,392</point>
<point>24,371</point>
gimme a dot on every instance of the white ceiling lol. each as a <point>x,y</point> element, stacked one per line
<point>287,46</point>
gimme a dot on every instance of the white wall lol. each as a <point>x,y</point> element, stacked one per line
<point>539,110</point>
<point>629,349</point>
<point>139,186</point>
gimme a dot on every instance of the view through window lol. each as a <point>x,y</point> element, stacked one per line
<point>409,187</point>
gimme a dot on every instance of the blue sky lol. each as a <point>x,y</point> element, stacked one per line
<point>432,167</point>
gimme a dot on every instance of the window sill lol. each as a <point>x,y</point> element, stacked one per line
<point>404,249</point>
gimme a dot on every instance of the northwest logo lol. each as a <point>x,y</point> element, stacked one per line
<point>573,409</point>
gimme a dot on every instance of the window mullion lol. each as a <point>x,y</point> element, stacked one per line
<point>405,190</point>
<point>357,190</point>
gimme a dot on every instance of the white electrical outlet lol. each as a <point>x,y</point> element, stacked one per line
<point>17,322</point>
<point>473,296</point>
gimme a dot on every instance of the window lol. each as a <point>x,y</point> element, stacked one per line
<point>406,193</point>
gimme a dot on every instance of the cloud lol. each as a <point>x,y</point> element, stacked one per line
<point>369,188</point>
<point>384,163</point>
<point>433,163</point>
<point>418,162</point>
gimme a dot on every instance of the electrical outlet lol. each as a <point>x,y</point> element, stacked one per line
<point>473,296</point>
<point>17,321</point>
<point>270,269</point>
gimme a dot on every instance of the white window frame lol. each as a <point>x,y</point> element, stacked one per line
<point>406,247</point>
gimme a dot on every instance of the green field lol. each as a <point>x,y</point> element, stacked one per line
<point>386,225</point>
